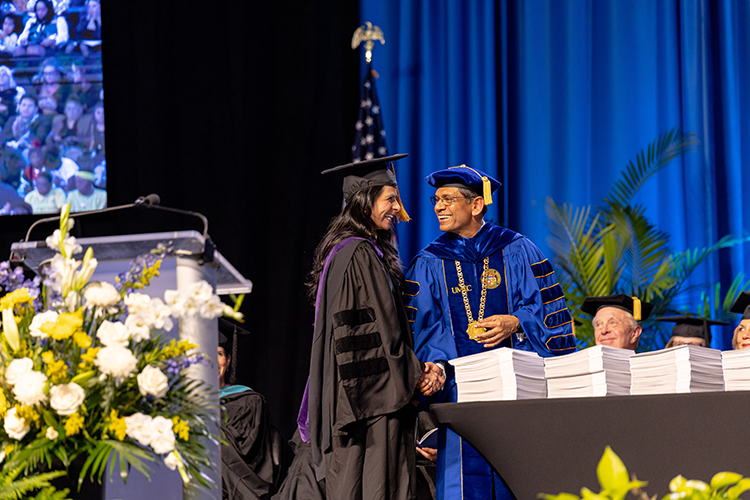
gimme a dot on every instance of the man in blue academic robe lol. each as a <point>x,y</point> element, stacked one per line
<point>477,287</point>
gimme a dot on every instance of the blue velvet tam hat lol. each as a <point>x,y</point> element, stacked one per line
<point>465,177</point>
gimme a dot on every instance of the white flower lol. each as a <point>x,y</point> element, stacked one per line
<point>101,295</point>
<point>137,302</point>
<point>63,270</point>
<point>113,334</point>
<point>171,460</point>
<point>16,427</point>
<point>160,313</point>
<point>138,426</point>
<point>117,361</point>
<point>212,308</point>
<point>52,434</point>
<point>17,369</point>
<point>39,320</point>
<point>138,327</point>
<point>231,313</point>
<point>66,398</point>
<point>175,301</point>
<point>71,247</point>
<point>29,389</point>
<point>200,291</point>
<point>153,381</point>
<point>71,301</point>
<point>162,437</point>
<point>87,269</point>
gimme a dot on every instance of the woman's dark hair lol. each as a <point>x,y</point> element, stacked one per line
<point>50,12</point>
<point>354,221</point>
<point>17,23</point>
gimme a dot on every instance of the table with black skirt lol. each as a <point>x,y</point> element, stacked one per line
<point>554,445</point>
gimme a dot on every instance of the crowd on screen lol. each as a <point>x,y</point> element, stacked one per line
<point>51,106</point>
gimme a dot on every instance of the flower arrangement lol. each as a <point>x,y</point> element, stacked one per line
<point>86,373</point>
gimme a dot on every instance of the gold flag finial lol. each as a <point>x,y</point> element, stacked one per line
<point>367,33</point>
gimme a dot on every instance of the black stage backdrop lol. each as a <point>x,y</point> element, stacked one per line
<point>232,109</point>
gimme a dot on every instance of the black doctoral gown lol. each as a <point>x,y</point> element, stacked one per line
<point>247,469</point>
<point>363,376</point>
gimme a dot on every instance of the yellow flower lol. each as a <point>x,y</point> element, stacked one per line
<point>73,424</point>
<point>117,425</point>
<point>20,296</point>
<point>174,348</point>
<point>57,371</point>
<point>87,358</point>
<point>29,413</point>
<point>3,404</point>
<point>65,326</point>
<point>81,339</point>
<point>9,448</point>
<point>181,428</point>
<point>48,357</point>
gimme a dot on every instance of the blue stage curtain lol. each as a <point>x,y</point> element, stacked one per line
<point>554,97</point>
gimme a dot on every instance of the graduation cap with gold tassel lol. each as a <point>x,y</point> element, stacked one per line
<point>465,177</point>
<point>370,173</point>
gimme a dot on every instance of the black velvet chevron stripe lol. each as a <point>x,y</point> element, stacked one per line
<point>353,317</point>
<point>363,368</point>
<point>412,288</point>
<point>558,318</point>
<point>541,269</point>
<point>358,342</point>
<point>552,293</point>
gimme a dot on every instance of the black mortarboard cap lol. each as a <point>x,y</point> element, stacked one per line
<point>692,326</point>
<point>228,332</point>
<point>639,309</point>
<point>370,173</point>
<point>742,305</point>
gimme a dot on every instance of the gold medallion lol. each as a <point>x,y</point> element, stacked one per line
<point>491,278</point>
<point>473,330</point>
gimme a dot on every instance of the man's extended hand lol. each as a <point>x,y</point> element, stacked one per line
<point>432,379</point>
<point>499,328</point>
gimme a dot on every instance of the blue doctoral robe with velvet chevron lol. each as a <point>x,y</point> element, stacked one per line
<point>528,289</point>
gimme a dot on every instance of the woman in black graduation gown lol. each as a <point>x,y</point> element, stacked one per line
<point>357,413</point>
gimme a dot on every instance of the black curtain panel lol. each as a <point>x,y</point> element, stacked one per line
<point>232,110</point>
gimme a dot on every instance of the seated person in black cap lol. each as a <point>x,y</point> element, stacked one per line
<point>615,319</point>
<point>690,330</point>
<point>741,338</point>
<point>248,470</point>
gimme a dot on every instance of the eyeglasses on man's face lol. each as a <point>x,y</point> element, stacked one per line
<point>445,200</point>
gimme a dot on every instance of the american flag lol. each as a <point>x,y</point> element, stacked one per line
<point>369,139</point>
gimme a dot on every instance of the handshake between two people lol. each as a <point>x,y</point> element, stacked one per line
<point>433,378</point>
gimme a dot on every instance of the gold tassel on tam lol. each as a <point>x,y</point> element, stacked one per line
<point>402,215</point>
<point>487,191</point>
<point>636,308</point>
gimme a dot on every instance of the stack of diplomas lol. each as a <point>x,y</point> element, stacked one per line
<point>597,371</point>
<point>686,368</point>
<point>500,374</point>
<point>736,366</point>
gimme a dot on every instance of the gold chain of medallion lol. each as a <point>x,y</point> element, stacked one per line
<point>473,330</point>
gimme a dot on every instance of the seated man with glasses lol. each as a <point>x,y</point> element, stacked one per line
<point>477,287</point>
<point>615,319</point>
